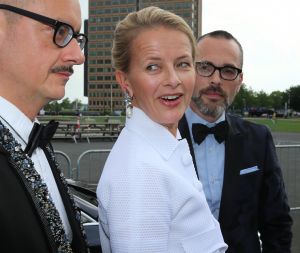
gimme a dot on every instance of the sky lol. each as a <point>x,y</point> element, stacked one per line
<point>268,31</point>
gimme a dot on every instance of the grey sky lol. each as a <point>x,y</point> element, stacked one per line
<point>268,31</point>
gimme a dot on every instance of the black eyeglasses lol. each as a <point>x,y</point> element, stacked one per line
<point>207,69</point>
<point>63,33</point>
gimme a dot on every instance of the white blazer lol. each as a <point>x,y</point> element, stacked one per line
<point>150,199</point>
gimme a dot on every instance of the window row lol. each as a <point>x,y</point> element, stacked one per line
<point>111,2</point>
<point>100,36</point>
<point>93,70</point>
<point>102,78</point>
<point>106,103</point>
<point>103,86</point>
<point>106,95</point>
<point>104,19</point>
<point>112,10</point>
<point>100,61</point>
<point>100,53</point>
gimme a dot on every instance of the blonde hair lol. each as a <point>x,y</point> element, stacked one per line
<point>128,28</point>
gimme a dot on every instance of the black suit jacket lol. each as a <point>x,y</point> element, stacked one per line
<point>24,228</point>
<point>253,202</point>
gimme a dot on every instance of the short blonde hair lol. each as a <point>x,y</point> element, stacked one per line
<point>128,28</point>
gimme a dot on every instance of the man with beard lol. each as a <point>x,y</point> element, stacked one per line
<point>235,160</point>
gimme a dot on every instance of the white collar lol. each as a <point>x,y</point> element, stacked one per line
<point>157,135</point>
<point>16,120</point>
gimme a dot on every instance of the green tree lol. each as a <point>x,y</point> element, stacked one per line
<point>277,100</point>
<point>294,98</point>
<point>263,100</point>
<point>244,99</point>
<point>53,107</point>
<point>76,104</point>
<point>65,104</point>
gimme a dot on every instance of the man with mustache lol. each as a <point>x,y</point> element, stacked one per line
<point>235,160</point>
<point>40,44</point>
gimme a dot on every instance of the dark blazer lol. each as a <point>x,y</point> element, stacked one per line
<point>254,201</point>
<point>24,229</point>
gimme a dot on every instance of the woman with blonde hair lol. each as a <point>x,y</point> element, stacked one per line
<point>150,199</point>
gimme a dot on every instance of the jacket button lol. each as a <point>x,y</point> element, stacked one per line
<point>198,185</point>
<point>186,159</point>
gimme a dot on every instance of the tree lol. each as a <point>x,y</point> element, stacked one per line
<point>53,107</point>
<point>244,99</point>
<point>263,100</point>
<point>65,104</point>
<point>277,100</point>
<point>294,98</point>
<point>76,104</point>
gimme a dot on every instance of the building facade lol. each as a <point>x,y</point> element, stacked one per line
<point>104,94</point>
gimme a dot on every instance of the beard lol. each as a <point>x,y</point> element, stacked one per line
<point>211,109</point>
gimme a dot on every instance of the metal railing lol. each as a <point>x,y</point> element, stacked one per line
<point>91,162</point>
<point>289,159</point>
<point>65,163</point>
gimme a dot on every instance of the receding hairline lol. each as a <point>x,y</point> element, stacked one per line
<point>11,17</point>
<point>19,3</point>
<point>221,34</point>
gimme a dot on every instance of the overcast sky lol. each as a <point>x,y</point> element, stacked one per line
<point>268,30</point>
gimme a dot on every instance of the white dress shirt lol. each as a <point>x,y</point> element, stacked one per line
<point>210,159</point>
<point>150,199</point>
<point>20,126</point>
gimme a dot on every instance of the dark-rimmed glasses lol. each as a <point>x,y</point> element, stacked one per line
<point>63,33</point>
<point>207,69</point>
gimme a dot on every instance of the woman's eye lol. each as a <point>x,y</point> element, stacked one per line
<point>183,64</point>
<point>152,67</point>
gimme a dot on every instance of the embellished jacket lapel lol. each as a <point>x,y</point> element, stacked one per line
<point>37,189</point>
<point>73,213</point>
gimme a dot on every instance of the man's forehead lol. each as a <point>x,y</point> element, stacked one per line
<point>218,47</point>
<point>67,11</point>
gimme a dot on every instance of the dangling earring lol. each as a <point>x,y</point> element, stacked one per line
<point>128,105</point>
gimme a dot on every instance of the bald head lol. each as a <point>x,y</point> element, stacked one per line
<point>10,16</point>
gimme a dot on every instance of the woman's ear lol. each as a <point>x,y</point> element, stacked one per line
<point>122,79</point>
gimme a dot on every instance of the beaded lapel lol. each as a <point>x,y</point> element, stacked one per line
<point>39,189</point>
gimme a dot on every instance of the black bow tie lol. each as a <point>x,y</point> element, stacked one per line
<point>40,136</point>
<point>200,132</point>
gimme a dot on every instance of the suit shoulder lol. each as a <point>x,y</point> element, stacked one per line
<point>244,125</point>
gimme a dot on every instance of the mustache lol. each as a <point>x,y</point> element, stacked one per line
<point>62,69</point>
<point>217,89</point>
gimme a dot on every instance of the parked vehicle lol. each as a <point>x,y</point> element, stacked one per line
<point>86,200</point>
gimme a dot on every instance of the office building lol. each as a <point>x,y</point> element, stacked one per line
<point>104,94</point>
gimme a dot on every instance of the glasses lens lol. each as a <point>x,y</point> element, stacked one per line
<point>229,73</point>
<point>205,69</point>
<point>81,40</point>
<point>63,35</point>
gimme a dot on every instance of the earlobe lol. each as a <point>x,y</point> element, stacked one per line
<point>241,77</point>
<point>123,81</point>
<point>239,87</point>
<point>241,82</point>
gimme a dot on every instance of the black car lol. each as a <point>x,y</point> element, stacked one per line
<point>86,200</point>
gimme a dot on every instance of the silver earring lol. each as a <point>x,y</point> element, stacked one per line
<point>128,105</point>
